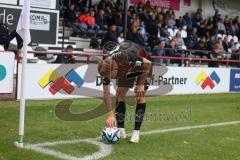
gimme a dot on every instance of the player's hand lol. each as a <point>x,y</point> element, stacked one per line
<point>139,91</point>
<point>111,121</point>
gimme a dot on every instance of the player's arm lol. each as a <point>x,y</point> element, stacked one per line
<point>111,121</point>
<point>139,89</point>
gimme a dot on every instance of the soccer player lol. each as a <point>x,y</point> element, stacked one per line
<point>128,64</point>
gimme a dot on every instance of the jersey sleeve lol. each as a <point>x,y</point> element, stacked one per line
<point>134,53</point>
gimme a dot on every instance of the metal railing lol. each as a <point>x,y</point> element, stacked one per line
<point>88,55</point>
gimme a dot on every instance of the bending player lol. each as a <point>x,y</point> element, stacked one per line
<point>127,63</point>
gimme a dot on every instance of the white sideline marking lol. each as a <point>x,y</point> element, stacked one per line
<point>190,127</point>
<point>107,149</point>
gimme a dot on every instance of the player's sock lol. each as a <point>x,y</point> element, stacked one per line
<point>120,113</point>
<point>139,114</point>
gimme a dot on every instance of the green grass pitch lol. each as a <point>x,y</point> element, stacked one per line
<point>215,143</point>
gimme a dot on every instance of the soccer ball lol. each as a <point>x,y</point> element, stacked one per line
<point>110,135</point>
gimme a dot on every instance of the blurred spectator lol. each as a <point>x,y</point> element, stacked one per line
<point>164,34</point>
<point>226,44</point>
<point>172,21</point>
<point>106,3</point>
<point>81,5</point>
<point>179,22</point>
<point>66,58</point>
<point>132,31</point>
<point>202,30</point>
<point>171,51</point>
<point>187,20</point>
<point>139,8</point>
<point>216,53</point>
<point>179,41</point>
<point>70,14</point>
<point>157,31</point>
<point>166,17</point>
<point>151,24</point>
<point>143,29</point>
<point>110,35</point>
<point>183,32</point>
<point>149,7</point>
<point>235,48</point>
<point>152,41</point>
<point>159,50</point>
<point>192,39</point>
<point>63,6</point>
<point>90,21</point>
<point>120,37</point>
<point>101,20</point>
<point>108,14</point>
<point>221,27</point>
<point>118,20</point>
<point>211,42</point>
<point>147,23</point>
<point>70,19</point>
<point>119,5</point>
<point>196,20</point>
<point>144,16</point>
<point>198,14</point>
<point>136,36</point>
<point>201,46</point>
<point>210,30</point>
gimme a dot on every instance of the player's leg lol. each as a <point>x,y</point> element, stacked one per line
<point>123,86</point>
<point>121,109</point>
<point>139,113</point>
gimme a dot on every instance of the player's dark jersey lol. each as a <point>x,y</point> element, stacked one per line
<point>128,53</point>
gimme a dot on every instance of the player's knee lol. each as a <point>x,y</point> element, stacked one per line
<point>141,100</point>
<point>120,96</point>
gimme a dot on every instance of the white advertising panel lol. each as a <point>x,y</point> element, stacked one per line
<point>188,80</point>
<point>6,72</point>
<point>43,22</point>
<point>39,21</point>
<point>53,81</point>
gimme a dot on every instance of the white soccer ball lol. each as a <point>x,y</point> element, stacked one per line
<point>110,135</point>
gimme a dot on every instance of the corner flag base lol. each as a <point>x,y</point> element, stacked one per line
<point>18,145</point>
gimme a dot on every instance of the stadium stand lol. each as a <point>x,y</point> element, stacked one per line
<point>212,37</point>
<point>189,35</point>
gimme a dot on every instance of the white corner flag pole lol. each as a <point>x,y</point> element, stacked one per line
<point>23,29</point>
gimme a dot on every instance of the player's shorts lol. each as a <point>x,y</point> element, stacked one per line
<point>129,83</point>
<point>124,82</point>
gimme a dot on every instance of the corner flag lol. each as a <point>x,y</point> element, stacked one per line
<point>23,30</point>
<point>24,22</point>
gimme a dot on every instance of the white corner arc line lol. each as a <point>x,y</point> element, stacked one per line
<point>107,149</point>
<point>104,149</point>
